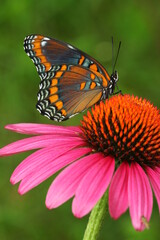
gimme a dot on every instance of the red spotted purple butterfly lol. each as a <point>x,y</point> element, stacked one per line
<point>71,80</point>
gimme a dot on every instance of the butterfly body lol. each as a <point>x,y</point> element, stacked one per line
<point>71,80</point>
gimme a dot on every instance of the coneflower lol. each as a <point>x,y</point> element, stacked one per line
<point>117,146</point>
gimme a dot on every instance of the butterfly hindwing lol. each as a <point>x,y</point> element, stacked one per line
<point>71,81</point>
<point>63,96</point>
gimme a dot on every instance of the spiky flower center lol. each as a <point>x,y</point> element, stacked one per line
<point>125,127</point>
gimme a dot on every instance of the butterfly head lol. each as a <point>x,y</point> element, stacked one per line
<point>113,81</point>
<point>114,76</point>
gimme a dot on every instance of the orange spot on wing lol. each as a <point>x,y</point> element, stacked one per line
<point>108,77</point>
<point>59,105</point>
<point>53,90</point>
<point>92,86</point>
<point>39,38</point>
<point>54,82</point>
<point>64,113</point>
<point>82,86</point>
<point>53,98</point>
<point>64,67</point>
<point>47,66</point>
<point>37,44</point>
<point>58,74</point>
<point>93,67</point>
<point>81,60</point>
<point>43,59</point>
<point>38,52</point>
<point>92,76</point>
<point>98,74</point>
<point>104,82</point>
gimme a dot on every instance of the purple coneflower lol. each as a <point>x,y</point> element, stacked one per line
<point>118,144</point>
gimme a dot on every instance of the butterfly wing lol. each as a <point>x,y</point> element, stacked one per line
<point>62,97</point>
<point>71,81</point>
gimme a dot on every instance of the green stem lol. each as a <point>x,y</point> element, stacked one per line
<point>96,219</point>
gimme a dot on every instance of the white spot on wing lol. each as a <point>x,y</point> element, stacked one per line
<point>47,116</point>
<point>43,43</point>
<point>38,96</point>
<point>39,110</point>
<point>45,38</point>
<point>73,115</point>
<point>55,119</point>
<point>71,47</point>
<point>39,107</point>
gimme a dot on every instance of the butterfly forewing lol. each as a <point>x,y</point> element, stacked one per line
<point>71,81</point>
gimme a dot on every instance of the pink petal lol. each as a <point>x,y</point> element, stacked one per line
<point>118,191</point>
<point>40,142</point>
<point>140,196</point>
<point>48,168</point>
<point>93,186</point>
<point>35,161</point>
<point>65,185</point>
<point>33,128</point>
<point>154,178</point>
<point>157,169</point>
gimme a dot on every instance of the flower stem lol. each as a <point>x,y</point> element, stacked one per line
<point>96,219</point>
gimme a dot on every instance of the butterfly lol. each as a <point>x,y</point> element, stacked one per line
<point>71,80</point>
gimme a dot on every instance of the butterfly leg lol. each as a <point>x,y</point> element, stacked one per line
<point>119,91</point>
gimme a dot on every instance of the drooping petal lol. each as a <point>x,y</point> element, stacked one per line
<point>65,185</point>
<point>33,128</point>
<point>154,177</point>
<point>118,191</point>
<point>139,196</point>
<point>49,168</point>
<point>93,186</point>
<point>39,142</point>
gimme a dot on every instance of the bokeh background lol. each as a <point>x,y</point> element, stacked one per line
<point>89,25</point>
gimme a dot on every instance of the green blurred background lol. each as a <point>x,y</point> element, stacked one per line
<point>88,25</point>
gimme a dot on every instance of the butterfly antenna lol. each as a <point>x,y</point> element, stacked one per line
<point>116,56</point>
<point>112,54</point>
